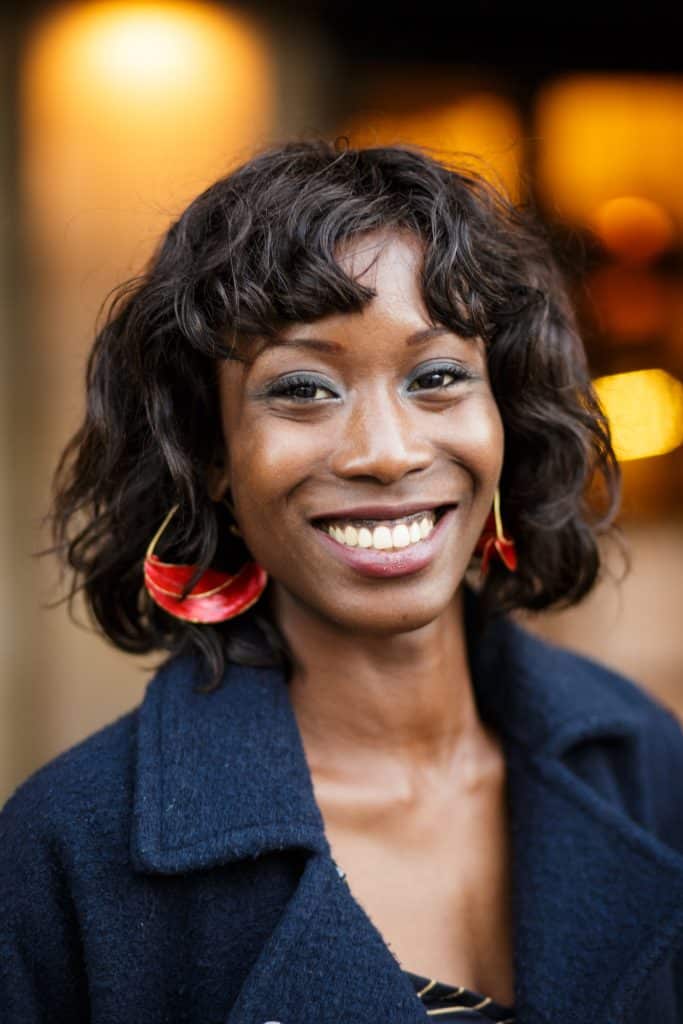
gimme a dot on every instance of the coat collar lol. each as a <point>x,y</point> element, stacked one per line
<point>597,899</point>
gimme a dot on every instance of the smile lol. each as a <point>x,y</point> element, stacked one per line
<point>383,534</point>
<point>387,547</point>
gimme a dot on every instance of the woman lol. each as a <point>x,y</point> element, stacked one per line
<point>340,427</point>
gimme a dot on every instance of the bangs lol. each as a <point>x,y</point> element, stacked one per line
<point>266,252</point>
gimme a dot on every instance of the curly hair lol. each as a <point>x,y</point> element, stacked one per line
<point>256,251</point>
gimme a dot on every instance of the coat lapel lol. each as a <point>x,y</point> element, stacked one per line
<point>220,776</point>
<point>598,902</point>
<point>224,776</point>
<point>597,899</point>
<point>326,963</point>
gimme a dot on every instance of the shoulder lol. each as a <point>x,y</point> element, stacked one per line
<point>580,695</point>
<point>607,687</point>
<point>83,793</point>
<point>66,825</point>
<point>620,737</point>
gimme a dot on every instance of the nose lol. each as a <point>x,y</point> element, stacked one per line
<point>380,440</point>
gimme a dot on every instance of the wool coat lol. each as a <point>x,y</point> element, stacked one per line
<point>174,866</point>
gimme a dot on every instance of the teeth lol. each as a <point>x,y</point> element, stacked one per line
<point>381,537</point>
<point>351,536</point>
<point>400,536</point>
<point>385,537</point>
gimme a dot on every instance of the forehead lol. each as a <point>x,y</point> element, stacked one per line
<point>383,260</point>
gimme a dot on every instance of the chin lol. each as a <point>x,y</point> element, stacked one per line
<point>389,614</point>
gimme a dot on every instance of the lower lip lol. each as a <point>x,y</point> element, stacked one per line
<point>385,564</point>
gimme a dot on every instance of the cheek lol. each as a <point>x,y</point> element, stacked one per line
<point>475,434</point>
<point>269,460</point>
<point>266,454</point>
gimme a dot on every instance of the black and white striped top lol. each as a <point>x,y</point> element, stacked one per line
<point>455,1003</point>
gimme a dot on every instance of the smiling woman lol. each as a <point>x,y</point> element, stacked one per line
<point>266,284</point>
<point>379,797</point>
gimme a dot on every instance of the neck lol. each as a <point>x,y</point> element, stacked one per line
<point>392,705</point>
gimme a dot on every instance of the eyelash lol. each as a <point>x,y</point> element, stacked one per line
<point>284,388</point>
<point>458,372</point>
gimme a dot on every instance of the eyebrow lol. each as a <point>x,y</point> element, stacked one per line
<point>320,345</point>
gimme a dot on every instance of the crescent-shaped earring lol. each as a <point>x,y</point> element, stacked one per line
<point>493,540</point>
<point>215,597</point>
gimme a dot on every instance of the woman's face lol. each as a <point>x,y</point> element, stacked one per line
<point>363,452</point>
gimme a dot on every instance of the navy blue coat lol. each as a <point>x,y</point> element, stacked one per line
<point>174,866</point>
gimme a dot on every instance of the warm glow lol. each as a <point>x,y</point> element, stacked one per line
<point>631,304</point>
<point>634,229</point>
<point>139,46</point>
<point>113,50</point>
<point>482,130</point>
<point>131,109</point>
<point>602,137</point>
<point>128,111</point>
<point>645,412</point>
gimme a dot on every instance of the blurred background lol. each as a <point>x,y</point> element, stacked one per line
<point>114,115</point>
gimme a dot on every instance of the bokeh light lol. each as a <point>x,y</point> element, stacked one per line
<point>602,137</point>
<point>132,45</point>
<point>645,412</point>
<point>632,304</point>
<point>483,128</point>
<point>634,229</point>
<point>134,108</point>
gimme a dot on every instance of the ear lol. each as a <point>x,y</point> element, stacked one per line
<point>217,478</point>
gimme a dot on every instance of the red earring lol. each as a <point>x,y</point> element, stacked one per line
<point>215,597</point>
<point>493,539</point>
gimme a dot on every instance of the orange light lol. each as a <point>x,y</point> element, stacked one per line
<point>645,412</point>
<point>113,50</point>
<point>633,228</point>
<point>482,130</point>
<point>633,304</point>
<point>129,110</point>
<point>604,137</point>
<point>138,46</point>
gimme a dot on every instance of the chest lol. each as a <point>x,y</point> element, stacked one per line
<point>435,881</point>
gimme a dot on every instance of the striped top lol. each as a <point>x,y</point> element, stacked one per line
<point>453,1003</point>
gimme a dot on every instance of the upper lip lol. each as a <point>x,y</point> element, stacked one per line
<point>383,511</point>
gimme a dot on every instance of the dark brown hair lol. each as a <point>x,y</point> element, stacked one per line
<point>256,251</point>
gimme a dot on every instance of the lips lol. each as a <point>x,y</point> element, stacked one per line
<point>392,562</point>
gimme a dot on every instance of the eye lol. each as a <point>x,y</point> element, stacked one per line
<point>300,388</point>
<point>442,376</point>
